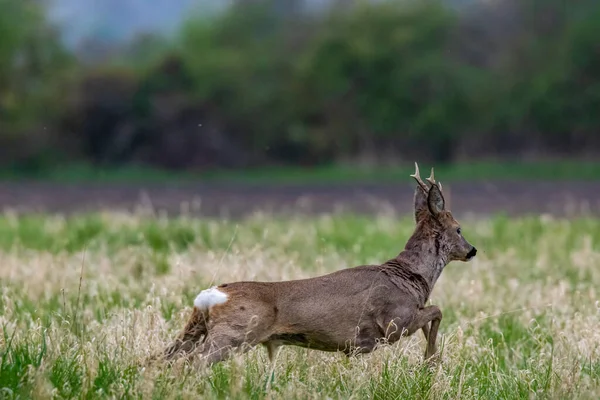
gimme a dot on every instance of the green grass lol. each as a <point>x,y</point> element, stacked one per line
<point>503,170</point>
<point>85,299</point>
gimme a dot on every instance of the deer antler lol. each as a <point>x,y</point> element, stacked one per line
<point>417,177</point>
<point>431,180</point>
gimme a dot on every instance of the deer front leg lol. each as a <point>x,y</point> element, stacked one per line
<point>421,321</point>
<point>425,330</point>
<point>433,314</point>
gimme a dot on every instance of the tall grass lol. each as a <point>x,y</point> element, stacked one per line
<point>85,300</point>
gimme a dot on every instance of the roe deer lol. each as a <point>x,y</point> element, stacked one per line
<point>350,310</point>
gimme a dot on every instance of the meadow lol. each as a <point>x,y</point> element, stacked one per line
<point>86,299</point>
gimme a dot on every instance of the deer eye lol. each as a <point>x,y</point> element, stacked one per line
<point>458,231</point>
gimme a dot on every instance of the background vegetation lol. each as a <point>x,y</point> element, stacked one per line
<point>375,82</point>
<point>85,300</point>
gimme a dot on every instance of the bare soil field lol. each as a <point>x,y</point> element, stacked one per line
<point>235,200</point>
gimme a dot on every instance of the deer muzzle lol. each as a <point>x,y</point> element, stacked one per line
<point>471,253</point>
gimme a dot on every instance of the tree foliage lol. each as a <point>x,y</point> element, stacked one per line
<point>31,65</point>
<point>256,85</point>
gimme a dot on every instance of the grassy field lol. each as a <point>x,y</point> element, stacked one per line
<point>85,300</point>
<point>490,170</point>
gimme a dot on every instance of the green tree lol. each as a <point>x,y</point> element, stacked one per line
<point>32,63</point>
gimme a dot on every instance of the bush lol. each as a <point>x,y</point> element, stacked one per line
<point>370,73</point>
<point>387,68</point>
<point>242,67</point>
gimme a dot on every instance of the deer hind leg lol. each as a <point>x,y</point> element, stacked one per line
<point>222,341</point>
<point>190,338</point>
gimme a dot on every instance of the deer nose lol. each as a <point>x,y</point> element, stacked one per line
<point>472,253</point>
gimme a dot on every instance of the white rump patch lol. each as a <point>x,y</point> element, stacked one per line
<point>209,297</point>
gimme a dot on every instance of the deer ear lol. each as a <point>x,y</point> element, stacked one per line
<point>435,200</point>
<point>420,203</point>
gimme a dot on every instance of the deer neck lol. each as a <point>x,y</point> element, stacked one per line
<point>426,257</point>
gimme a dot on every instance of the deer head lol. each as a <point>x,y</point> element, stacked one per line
<point>436,223</point>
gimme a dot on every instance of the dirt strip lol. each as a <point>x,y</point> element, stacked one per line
<point>235,200</point>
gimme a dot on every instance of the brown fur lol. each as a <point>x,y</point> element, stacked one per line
<point>351,310</point>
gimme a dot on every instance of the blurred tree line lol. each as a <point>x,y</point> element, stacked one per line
<point>377,81</point>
